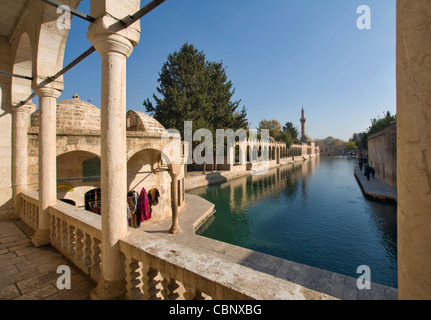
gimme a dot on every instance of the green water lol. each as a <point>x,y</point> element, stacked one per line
<point>311,212</point>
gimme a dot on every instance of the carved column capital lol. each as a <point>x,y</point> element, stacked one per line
<point>47,92</point>
<point>175,170</point>
<point>22,109</point>
<point>107,35</point>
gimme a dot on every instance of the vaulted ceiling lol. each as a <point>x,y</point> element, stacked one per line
<point>11,13</point>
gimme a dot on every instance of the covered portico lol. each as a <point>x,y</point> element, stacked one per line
<point>32,50</point>
<point>37,45</point>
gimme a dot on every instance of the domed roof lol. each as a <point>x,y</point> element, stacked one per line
<point>306,138</point>
<point>143,122</point>
<point>73,115</point>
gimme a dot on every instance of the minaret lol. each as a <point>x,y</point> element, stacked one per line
<point>303,137</point>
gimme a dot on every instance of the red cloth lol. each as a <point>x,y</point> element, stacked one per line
<point>143,199</point>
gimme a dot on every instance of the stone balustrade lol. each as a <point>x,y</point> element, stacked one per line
<point>77,234</point>
<point>154,267</point>
<point>29,209</point>
<point>159,268</point>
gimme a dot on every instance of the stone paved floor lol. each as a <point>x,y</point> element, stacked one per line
<point>30,273</point>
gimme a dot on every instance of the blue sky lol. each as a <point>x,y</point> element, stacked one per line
<point>279,54</point>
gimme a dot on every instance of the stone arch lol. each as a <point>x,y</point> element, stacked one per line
<point>88,150</point>
<point>148,146</point>
<point>22,65</point>
<point>51,44</point>
<point>64,148</point>
<point>70,173</point>
<point>141,176</point>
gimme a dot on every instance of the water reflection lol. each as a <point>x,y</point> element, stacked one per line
<point>311,212</point>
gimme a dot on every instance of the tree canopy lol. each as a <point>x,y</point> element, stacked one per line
<point>194,89</point>
<point>286,137</point>
<point>330,142</point>
<point>273,126</point>
<point>377,124</point>
<point>350,145</point>
<point>287,133</point>
<point>290,128</point>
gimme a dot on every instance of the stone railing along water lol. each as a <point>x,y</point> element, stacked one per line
<point>156,268</point>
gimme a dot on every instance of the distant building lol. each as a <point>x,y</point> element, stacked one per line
<point>78,157</point>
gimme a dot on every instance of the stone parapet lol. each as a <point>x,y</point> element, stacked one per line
<point>159,268</point>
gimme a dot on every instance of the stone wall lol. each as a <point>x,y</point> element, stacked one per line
<point>382,154</point>
<point>6,206</point>
<point>414,148</point>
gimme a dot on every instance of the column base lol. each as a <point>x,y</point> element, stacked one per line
<point>109,290</point>
<point>40,238</point>
<point>175,229</point>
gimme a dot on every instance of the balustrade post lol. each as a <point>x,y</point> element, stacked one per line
<point>79,246</point>
<point>95,260</point>
<point>134,275</point>
<point>87,251</point>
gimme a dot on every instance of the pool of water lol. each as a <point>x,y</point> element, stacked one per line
<point>311,212</point>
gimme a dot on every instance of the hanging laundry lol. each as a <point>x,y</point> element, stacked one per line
<point>149,197</point>
<point>145,205</point>
<point>133,206</point>
<point>149,209</point>
<point>154,194</point>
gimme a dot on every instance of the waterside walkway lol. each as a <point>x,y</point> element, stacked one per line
<point>333,284</point>
<point>375,187</point>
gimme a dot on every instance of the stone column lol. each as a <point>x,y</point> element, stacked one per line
<point>243,152</point>
<point>19,151</point>
<point>230,155</point>
<point>114,49</point>
<point>414,148</point>
<point>175,228</point>
<point>47,160</point>
<point>277,154</point>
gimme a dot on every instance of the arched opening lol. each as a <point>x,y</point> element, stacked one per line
<point>146,175</point>
<point>92,200</point>
<point>77,173</point>
<point>52,42</point>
